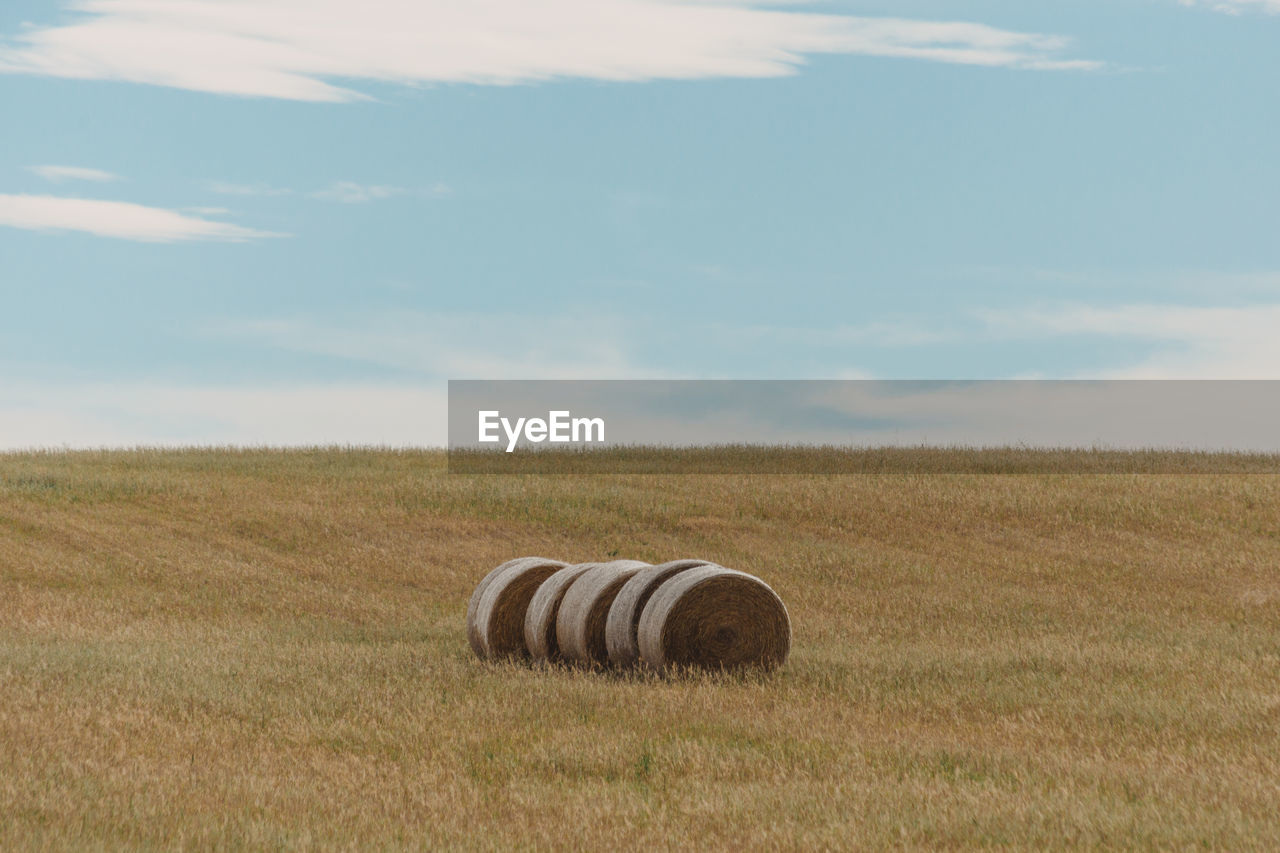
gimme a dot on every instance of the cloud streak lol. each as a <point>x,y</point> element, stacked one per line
<point>1194,342</point>
<point>229,188</point>
<point>118,219</point>
<point>349,192</point>
<point>1237,7</point>
<point>128,414</point>
<point>455,344</point>
<point>1181,341</point>
<point>297,49</point>
<point>346,192</point>
<point>58,174</point>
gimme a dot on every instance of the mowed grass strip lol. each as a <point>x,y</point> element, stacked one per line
<point>249,649</point>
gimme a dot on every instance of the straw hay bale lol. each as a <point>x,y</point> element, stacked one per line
<point>495,621</point>
<point>714,618</point>
<point>580,622</point>
<point>473,636</point>
<point>540,617</point>
<point>624,613</point>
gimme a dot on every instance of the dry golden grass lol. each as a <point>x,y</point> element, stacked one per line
<point>804,459</point>
<point>258,649</point>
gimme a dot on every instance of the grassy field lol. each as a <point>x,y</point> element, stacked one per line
<point>255,649</point>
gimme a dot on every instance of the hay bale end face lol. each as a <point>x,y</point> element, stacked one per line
<point>580,622</point>
<point>503,601</point>
<point>623,618</point>
<point>540,617</point>
<point>714,618</point>
<point>473,606</point>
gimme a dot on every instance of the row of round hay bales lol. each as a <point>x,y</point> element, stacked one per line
<point>623,613</point>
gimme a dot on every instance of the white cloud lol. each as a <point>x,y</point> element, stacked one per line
<point>296,49</point>
<point>458,345</point>
<point>118,219</point>
<point>58,174</point>
<point>1237,7</point>
<point>408,407</point>
<point>1198,342</point>
<point>228,188</point>
<point>128,414</point>
<point>349,192</point>
<point>879,333</point>
<point>1183,341</point>
<point>416,352</point>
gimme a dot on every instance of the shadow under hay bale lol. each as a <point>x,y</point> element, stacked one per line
<point>623,620</point>
<point>503,600</point>
<point>580,623</point>
<point>714,618</point>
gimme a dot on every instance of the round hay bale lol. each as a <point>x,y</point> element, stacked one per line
<point>496,622</point>
<point>624,614</point>
<point>580,621</point>
<point>540,617</point>
<point>473,636</point>
<point>714,618</point>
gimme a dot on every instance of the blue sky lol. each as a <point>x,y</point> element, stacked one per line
<point>287,222</point>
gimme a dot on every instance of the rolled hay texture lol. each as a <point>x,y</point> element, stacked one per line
<point>580,622</point>
<point>473,636</point>
<point>623,620</point>
<point>495,619</point>
<point>540,617</point>
<point>714,618</point>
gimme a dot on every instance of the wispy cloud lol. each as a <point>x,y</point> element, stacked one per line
<point>412,351</point>
<point>1192,342</point>
<point>118,219</point>
<point>128,414</point>
<point>1181,341</point>
<point>1237,7</point>
<point>58,174</point>
<point>229,188</point>
<point>406,406</point>
<point>880,333</point>
<point>349,192</point>
<point>295,49</point>
<point>457,344</point>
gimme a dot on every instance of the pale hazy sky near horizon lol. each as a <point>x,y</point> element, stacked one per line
<point>291,221</point>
